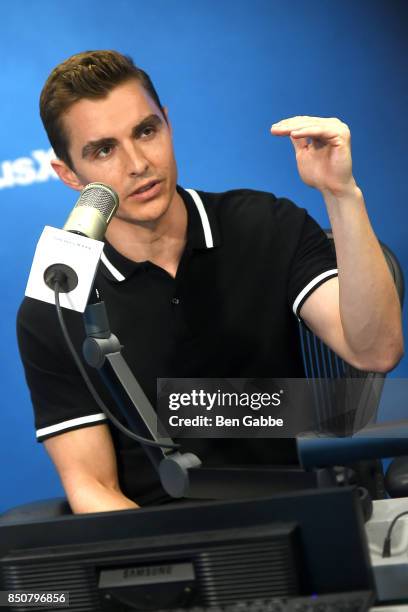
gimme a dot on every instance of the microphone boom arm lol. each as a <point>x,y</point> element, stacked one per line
<point>102,350</point>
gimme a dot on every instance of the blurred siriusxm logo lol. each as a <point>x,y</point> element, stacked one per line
<point>27,170</point>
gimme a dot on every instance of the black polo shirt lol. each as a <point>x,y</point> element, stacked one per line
<point>250,262</point>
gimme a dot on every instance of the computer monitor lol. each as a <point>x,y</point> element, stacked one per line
<point>193,554</point>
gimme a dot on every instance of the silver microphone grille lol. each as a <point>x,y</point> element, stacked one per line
<point>101,197</point>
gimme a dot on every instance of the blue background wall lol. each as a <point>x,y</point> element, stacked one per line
<point>227,70</point>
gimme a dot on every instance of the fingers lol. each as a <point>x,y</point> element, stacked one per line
<point>316,133</point>
<point>299,143</point>
<point>312,127</point>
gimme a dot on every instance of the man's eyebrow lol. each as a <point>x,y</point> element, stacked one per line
<point>152,120</point>
<point>94,145</point>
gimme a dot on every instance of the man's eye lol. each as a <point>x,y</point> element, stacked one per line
<point>103,151</point>
<point>148,131</point>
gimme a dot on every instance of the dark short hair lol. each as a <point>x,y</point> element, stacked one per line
<point>91,75</point>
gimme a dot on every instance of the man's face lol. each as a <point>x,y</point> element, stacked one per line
<point>124,141</point>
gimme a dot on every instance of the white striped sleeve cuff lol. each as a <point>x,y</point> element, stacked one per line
<point>310,287</point>
<point>71,424</point>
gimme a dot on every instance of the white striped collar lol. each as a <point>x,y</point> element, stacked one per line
<point>208,236</point>
<point>115,273</point>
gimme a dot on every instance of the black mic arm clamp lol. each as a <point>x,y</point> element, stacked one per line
<point>102,350</point>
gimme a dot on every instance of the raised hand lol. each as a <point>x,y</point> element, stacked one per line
<point>323,152</point>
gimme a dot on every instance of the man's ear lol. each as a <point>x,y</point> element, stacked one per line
<point>67,176</point>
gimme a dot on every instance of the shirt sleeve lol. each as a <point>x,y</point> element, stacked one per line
<point>312,254</point>
<point>60,398</point>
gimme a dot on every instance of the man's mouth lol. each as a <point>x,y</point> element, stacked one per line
<point>145,187</point>
<point>147,191</point>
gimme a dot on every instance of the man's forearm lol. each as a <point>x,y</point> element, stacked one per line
<point>95,497</point>
<point>369,305</point>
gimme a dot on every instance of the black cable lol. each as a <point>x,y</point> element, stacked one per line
<point>90,386</point>
<point>387,542</point>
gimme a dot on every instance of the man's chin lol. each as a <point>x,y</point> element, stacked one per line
<point>146,217</point>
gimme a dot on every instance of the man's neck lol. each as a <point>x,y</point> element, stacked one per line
<point>161,242</point>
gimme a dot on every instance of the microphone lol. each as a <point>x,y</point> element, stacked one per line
<point>71,255</point>
<point>90,217</point>
<point>93,211</point>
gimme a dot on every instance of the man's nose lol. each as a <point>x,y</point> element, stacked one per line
<point>136,162</point>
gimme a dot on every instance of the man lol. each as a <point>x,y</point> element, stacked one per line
<point>195,284</point>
